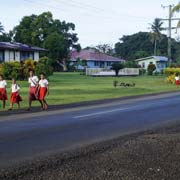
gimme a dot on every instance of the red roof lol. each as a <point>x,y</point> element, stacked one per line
<point>92,55</point>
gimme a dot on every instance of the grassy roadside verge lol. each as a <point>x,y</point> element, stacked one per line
<point>68,88</point>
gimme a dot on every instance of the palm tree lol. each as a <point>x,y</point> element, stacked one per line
<point>1,28</point>
<point>176,9</point>
<point>156,28</point>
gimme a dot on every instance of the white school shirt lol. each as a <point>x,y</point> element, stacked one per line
<point>15,88</point>
<point>33,81</point>
<point>177,78</point>
<point>43,83</point>
<point>3,84</point>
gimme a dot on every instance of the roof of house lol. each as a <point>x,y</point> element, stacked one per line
<point>19,46</point>
<point>157,58</point>
<point>92,55</point>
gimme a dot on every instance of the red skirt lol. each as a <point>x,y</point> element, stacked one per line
<point>3,94</point>
<point>33,93</point>
<point>177,82</point>
<point>42,93</point>
<point>15,98</point>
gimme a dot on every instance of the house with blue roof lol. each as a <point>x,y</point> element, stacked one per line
<point>13,51</point>
<point>159,61</point>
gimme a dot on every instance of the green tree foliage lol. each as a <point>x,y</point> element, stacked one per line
<point>55,43</point>
<point>151,68</point>
<point>131,64</point>
<point>44,65</point>
<point>1,28</point>
<point>44,31</point>
<point>105,48</point>
<point>176,9</point>
<point>139,45</point>
<point>117,67</point>
<point>156,35</point>
<point>4,37</point>
<point>130,45</point>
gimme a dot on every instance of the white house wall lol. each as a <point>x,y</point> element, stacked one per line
<point>36,56</point>
<point>17,56</point>
<point>147,62</point>
<point>10,55</point>
<point>6,56</point>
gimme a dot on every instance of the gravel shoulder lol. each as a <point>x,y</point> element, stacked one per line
<point>150,155</point>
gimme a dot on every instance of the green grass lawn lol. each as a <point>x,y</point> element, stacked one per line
<point>71,87</point>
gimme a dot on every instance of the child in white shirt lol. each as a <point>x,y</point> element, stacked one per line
<point>177,80</point>
<point>43,90</point>
<point>15,97</point>
<point>3,93</point>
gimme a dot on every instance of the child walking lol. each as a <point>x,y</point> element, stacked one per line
<point>15,97</point>
<point>3,93</point>
<point>43,90</point>
<point>177,80</point>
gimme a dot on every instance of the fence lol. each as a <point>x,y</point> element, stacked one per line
<point>105,72</point>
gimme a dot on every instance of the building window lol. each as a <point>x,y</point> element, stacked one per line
<point>26,55</point>
<point>1,56</point>
<point>96,63</point>
<point>161,65</point>
<point>109,63</point>
<point>102,64</point>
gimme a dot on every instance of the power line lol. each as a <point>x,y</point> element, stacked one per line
<point>85,8</point>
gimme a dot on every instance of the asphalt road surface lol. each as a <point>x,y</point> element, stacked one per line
<point>31,135</point>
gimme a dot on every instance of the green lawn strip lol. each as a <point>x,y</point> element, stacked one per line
<point>68,88</point>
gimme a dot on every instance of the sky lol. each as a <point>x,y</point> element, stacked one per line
<point>97,21</point>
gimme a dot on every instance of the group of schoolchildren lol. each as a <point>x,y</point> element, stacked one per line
<point>38,89</point>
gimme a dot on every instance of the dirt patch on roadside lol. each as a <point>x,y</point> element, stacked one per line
<point>151,155</point>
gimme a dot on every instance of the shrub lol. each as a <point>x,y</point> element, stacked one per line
<point>20,70</point>
<point>131,64</point>
<point>44,65</point>
<point>151,68</point>
<point>156,73</point>
<point>171,79</point>
<point>171,71</point>
<point>7,69</point>
<point>142,71</point>
<point>116,67</point>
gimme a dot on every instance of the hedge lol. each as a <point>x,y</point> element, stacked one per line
<point>171,71</point>
<point>19,70</point>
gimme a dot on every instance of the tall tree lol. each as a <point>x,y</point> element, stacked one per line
<point>105,48</point>
<point>134,46</point>
<point>5,37</point>
<point>156,28</point>
<point>117,67</point>
<point>176,9</point>
<point>139,45</point>
<point>1,28</point>
<point>44,31</point>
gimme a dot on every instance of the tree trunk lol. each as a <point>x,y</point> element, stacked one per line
<point>63,65</point>
<point>155,47</point>
<point>117,72</point>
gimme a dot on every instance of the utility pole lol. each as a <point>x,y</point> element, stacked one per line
<point>169,35</point>
<point>169,19</point>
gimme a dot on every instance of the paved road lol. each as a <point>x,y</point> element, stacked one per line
<point>26,136</point>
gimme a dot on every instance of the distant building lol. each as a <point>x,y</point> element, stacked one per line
<point>94,58</point>
<point>13,51</point>
<point>159,61</point>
